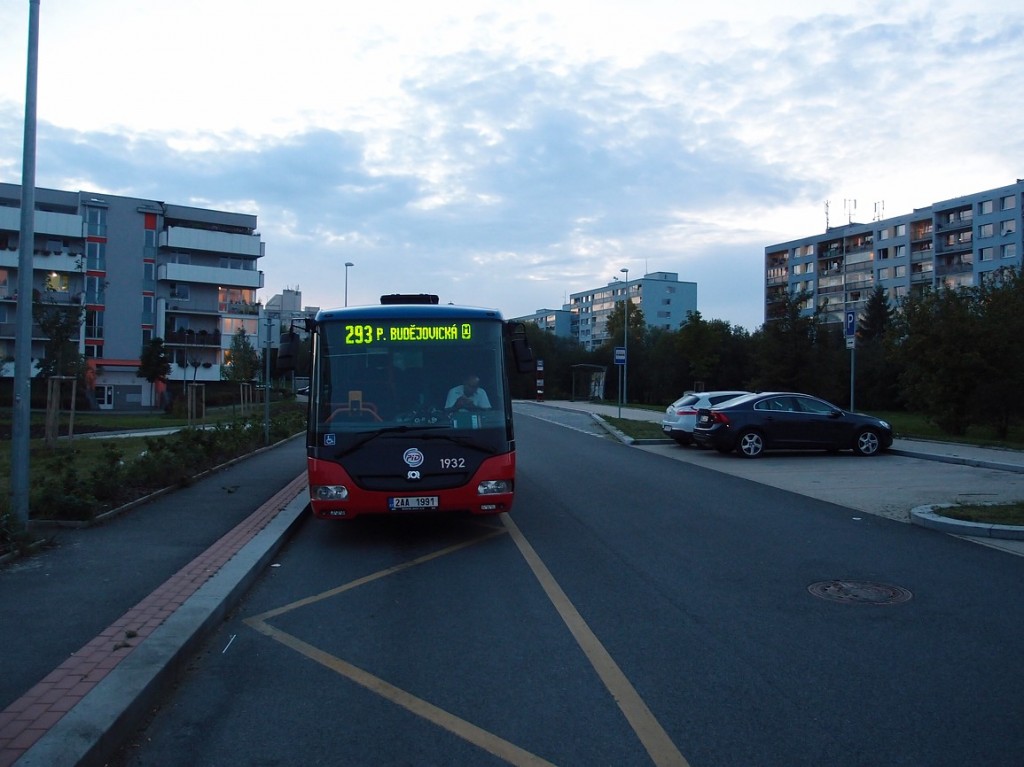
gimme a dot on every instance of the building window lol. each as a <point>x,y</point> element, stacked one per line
<point>95,288</point>
<point>179,292</point>
<point>985,254</point>
<point>57,283</point>
<point>900,230</point>
<point>93,324</point>
<point>899,251</point>
<point>1010,250</point>
<point>900,271</point>
<point>986,230</point>
<point>1008,227</point>
<point>883,254</point>
<point>986,206</point>
<point>96,222</point>
<point>147,336</point>
<point>96,256</point>
<point>885,234</point>
<point>1009,202</point>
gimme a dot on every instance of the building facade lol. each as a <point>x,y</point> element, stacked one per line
<point>141,269</point>
<point>665,301</point>
<point>952,243</point>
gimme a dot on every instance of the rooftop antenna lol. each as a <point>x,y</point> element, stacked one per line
<point>826,215</point>
<point>850,206</point>
<point>879,210</point>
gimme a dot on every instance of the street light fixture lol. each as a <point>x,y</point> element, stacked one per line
<point>625,339</point>
<point>347,265</point>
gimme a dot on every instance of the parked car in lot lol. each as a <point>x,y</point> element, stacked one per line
<point>681,415</point>
<point>788,421</point>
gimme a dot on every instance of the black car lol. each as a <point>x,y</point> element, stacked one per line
<point>788,421</point>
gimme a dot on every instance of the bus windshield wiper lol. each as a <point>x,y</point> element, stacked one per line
<point>463,442</point>
<point>372,435</point>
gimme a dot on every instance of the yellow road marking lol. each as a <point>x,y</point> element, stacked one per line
<point>372,577</point>
<point>489,742</point>
<point>654,738</point>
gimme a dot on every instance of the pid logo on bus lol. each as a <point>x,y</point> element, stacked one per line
<point>413,457</point>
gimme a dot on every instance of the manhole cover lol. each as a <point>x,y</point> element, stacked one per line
<point>860,592</point>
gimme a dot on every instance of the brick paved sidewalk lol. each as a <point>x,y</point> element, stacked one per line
<point>28,719</point>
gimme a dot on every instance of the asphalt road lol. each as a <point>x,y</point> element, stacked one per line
<point>633,609</point>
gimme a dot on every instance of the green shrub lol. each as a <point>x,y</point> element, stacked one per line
<point>73,491</point>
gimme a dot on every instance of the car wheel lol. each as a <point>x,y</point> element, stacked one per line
<point>750,444</point>
<point>867,443</point>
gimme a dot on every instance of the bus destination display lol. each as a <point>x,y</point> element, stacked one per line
<point>367,333</point>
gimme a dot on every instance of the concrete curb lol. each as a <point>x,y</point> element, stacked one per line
<point>95,728</point>
<point>959,460</point>
<point>925,516</point>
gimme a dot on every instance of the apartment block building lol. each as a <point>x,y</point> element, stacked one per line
<point>665,301</point>
<point>952,243</point>
<point>141,269</point>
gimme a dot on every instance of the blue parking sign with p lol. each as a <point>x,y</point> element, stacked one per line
<point>851,324</point>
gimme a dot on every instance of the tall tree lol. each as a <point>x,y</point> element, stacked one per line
<point>154,363</point>
<point>785,347</point>
<point>876,372</point>
<point>243,360</point>
<point>936,334</point>
<point>62,324</point>
<point>1001,377</point>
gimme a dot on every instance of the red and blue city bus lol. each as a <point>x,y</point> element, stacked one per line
<point>390,430</point>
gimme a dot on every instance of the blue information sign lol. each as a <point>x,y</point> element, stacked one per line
<point>620,355</point>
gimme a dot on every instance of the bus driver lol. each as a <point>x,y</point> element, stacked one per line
<point>467,396</point>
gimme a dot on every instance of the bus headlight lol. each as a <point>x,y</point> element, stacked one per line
<point>329,492</point>
<point>494,487</point>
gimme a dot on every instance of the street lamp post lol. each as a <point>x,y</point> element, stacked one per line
<point>625,340</point>
<point>347,265</point>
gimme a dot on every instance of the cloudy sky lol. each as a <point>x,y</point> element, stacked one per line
<point>507,154</point>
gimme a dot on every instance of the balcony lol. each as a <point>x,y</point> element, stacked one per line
<point>184,238</point>
<point>63,262</point>
<point>43,222</point>
<point>193,338</point>
<point>9,330</point>
<point>210,275</point>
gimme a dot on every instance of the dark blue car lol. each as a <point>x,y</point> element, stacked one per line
<point>788,421</point>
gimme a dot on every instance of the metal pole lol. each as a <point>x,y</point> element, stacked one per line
<point>625,342</point>
<point>22,412</point>
<point>853,363</point>
<point>266,387</point>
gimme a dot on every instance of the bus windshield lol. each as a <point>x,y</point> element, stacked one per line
<point>374,374</point>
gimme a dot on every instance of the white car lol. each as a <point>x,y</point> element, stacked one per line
<point>681,415</point>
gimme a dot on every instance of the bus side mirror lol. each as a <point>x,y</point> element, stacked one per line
<point>522,352</point>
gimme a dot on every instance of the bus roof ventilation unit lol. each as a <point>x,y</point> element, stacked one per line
<point>408,298</point>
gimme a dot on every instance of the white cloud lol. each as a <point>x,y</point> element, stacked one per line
<point>510,154</point>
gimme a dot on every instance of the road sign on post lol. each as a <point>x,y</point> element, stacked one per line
<point>620,355</point>
<point>851,324</point>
